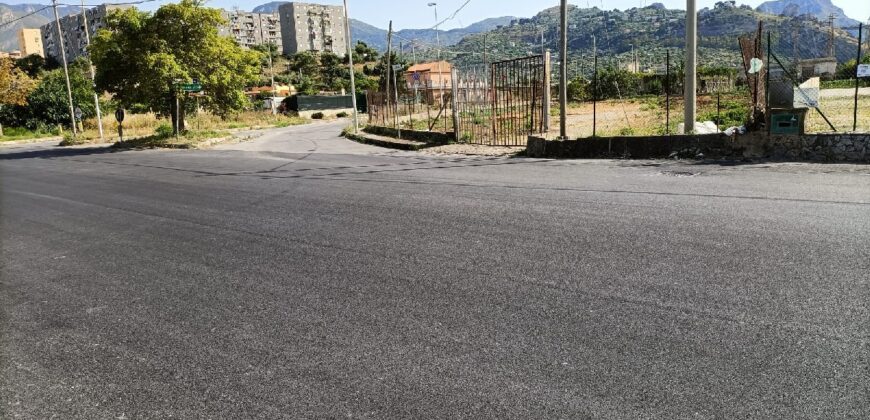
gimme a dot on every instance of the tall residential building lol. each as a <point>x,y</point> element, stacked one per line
<point>312,27</point>
<point>30,42</point>
<point>73,29</point>
<point>251,29</point>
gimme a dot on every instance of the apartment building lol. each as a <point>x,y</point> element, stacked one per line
<point>251,29</point>
<point>312,27</point>
<point>30,42</point>
<point>73,29</point>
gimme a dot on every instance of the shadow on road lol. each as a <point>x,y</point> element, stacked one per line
<point>56,152</point>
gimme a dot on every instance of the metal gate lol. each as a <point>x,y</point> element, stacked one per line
<point>504,105</point>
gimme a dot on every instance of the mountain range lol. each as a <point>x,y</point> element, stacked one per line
<point>32,16</point>
<point>653,27</point>
<point>820,9</point>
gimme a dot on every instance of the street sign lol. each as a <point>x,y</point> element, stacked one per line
<point>78,112</point>
<point>120,114</point>
<point>191,87</point>
<point>755,65</point>
<point>398,67</point>
<point>864,70</point>
<point>416,76</point>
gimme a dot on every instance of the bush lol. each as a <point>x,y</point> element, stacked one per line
<point>163,131</point>
<point>317,116</point>
<point>70,140</point>
<point>342,114</point>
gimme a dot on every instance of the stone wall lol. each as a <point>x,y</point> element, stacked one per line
<point>847,147</point>
<point>430,137</point>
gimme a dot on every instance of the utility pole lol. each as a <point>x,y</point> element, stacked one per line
<point>389,66</point>
<point>831,18</point>
<point>60,46</point>
<point>438,52</point>
<point>91,68</point>
<point>563,76</point>
<point>268,45</point>
<point>857,79</point>
<point>691,66</point>
<point>347,37</point>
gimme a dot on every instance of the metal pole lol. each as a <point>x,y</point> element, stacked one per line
<point>691,66</point>
<point>668,92</point>
<point>767,88</point>
<point>389,61</point>
<point>857,80</point>
<point>440,69</point>
<point>60,46</point>
<point>594,87</point>
<point>563,77</point>
<point>93,76</point>
<point>347,37</point>
<point>271,67</point>
<point>396,89</point>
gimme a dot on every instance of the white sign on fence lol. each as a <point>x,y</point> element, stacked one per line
<point>864,70</point>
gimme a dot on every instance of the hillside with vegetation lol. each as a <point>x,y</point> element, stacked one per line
<point>652,30</point>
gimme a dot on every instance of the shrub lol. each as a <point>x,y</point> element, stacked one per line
<point>317,116</point>
<point>342,114</point>
<point>163,131</point>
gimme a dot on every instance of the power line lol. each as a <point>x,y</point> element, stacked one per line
<point>2,24</point>
<point>129,3</point>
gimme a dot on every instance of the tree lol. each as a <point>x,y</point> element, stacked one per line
<point>15,85</point>
<point>48,104</point>
<point>578,89</point>
<point>35,65</point>
<point>141,57</point>
<point>305,62</point>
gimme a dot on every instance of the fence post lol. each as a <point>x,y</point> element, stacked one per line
<point>595,86</point>
<point>547,104</point>
<point>454,77</point>
<point>668,92</point>
<point>767,119</point>
<point>857,80</point>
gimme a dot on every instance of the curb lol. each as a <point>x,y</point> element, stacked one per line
<point>384,142</point>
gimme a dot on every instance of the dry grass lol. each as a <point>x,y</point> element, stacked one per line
<point>203,125</point>
<point>840,111</point>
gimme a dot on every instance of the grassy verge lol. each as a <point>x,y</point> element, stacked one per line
<point>146,125</point>
<point>18,133</point>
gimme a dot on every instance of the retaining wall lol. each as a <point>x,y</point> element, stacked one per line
<point>430,137</point>
<point>846,147</point>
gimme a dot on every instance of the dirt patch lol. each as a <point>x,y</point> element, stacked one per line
<point>473,150</point>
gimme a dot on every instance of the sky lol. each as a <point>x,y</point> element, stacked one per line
<point>415,14</point>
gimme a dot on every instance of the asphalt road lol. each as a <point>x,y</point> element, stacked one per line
<point>300,275</point>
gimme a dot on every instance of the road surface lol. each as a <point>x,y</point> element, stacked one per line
<point>300,275</point>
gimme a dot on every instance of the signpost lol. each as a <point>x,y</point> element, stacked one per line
<point>191,87</point>
<point>119,116</point>
<point>78,114</point>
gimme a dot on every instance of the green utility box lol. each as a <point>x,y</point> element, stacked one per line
<point>787,121</point>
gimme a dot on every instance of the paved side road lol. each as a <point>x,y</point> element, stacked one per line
<point>300,275</point>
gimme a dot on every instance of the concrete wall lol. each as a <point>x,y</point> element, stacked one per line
<point>812,147</point>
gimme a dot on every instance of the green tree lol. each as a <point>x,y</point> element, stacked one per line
<point>305,63</point>
<point>48,104</point>
<point>578,89</point>
<point>15,85</point>
<point>34,65</point>
<point>140,57</point>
